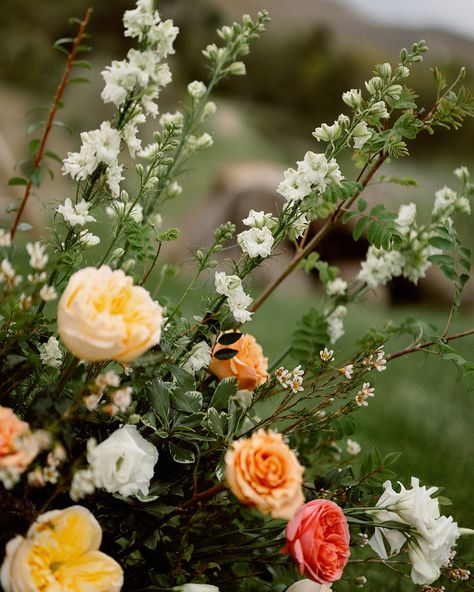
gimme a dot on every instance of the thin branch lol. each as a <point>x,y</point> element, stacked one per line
<point>52,113</point>
<point>427,344</point>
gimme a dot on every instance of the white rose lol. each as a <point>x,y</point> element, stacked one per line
<point>308,586</point>
<point>103,316</point>
<point>200,358</point>
<point>124,462</point>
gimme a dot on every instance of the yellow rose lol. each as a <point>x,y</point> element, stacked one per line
<point>103,316</point>
<point>264,473</point>
<point>60,552</point>
<point>249,366</point>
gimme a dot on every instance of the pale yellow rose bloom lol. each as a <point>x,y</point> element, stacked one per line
<point>103,316</point>
<point>60,553</point>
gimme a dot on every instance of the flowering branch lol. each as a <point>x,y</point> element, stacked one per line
<point>333,220</point>
<point>52,113</point>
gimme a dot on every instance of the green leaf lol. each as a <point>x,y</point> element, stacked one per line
<point>17,181</point>
<point>359,228</point>
<point>361,205</point>
<point>226,389</point>
<point>181,455</point>
<point>348,216</point>
<point>189,401</point>
<point>159,398</point>
<point>216,422</point>
<point>79,80</point>
<point>33,146</point>
<point>310,336</point>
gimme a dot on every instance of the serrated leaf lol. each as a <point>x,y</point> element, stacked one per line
<point>226,389</point>
<point>181,455</point>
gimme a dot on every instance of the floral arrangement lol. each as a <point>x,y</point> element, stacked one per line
<point>136,443</point>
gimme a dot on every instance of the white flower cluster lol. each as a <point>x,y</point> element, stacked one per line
<point>314,173</point>
<point>237,300</point>
<point>429,546</point>
<point>258,240</point>
<point>365,393</point>
<point>142,72</point>
<point>50,354</point>
<point>75,214</point>
<point>380,267</point>
<point>100,146</point>
<point>376,361</point>
<point>336,287</point>
<point>292,380</point>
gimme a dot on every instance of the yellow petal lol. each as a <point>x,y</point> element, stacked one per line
<point>92,572</point>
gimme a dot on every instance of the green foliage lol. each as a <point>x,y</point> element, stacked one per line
<point>310,337</point>
<point>380,226</point>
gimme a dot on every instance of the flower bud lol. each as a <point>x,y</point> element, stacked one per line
<point>196,89</point>
<point>353,98</point>
<point>237,69</point>
<point>385,70</point>
<point>118,253</point>
<point>327,133</point>
<point>374,85</point>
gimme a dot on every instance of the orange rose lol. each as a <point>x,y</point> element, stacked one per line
<point>249,366</point>
<point>264,473</point>
<point>18,447</point>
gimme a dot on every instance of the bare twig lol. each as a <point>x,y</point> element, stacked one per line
<point>52,113</point>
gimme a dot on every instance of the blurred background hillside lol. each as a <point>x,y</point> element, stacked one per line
<point>313,51</point>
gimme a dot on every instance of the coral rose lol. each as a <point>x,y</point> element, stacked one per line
<point>103,316</point>
<point>18,447</point>
<point>249,366</point>
<point>264,473</point>
<point>60,552</point>
<point>318,540</point>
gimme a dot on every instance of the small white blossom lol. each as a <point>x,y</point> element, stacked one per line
<point>238,301</point>
<point>374,85</point>
<point>38,257</point>
<point>361,134</point>
<point>5,238</point>
<point>327,133</point>
<point>348,371</point>
<point>210,108</point>
<point>256,242</point>
<point>197,89</point>
<point>326,355</point>
<point>406,217</point>
<point>353,98</point>
<point>258,220</point>
<point>48,293</point>
<point>336,323</point>
<point>122,398</point>
<point>75,214</point>
<point>283,376</point>
<point>336,287</point>
<point>380,364</point>
<point>119,209</point>
<point>353,447</point>
<point>200,358</point>
<point>82,485</point>
<point>91,402</point>
<point>462,173</point>
<point>25,301</point>
<point>295,186</point>
<point>296,384</point>
<point>50,354</point>
<point>175,119</point>
<point>365,392</point>
<point>109,378</point>
<point>380,267</point>
<point>88,239</point>
<point>379,109</point>
<point>361,581</point>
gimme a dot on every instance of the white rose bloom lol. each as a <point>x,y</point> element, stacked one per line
<point>308,586</point>
<point>123,463</point>
<point>200,358</point>
<point>256,242</point>
<point>430,552</point>
<point>434,534</point>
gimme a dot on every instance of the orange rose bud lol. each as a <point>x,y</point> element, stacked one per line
<point>249,366</point>
<point>264,473</point>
